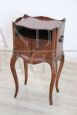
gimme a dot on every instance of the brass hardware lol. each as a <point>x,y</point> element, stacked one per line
<point>61,38</point>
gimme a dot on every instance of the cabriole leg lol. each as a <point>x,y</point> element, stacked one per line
<point>13,70</point>
<point>53,78</point>
<point>26,71</point>
<point>59,72</point>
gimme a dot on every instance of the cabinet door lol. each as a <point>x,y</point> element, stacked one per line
<point>22,45</point>
<point>41,49</point>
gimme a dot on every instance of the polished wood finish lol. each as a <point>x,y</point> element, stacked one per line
<point>26,71</point>
<point>30,42</point>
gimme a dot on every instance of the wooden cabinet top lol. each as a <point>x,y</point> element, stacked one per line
<point>39,22</point>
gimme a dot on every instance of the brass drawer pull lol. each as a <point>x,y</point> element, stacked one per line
<point>61,39</point>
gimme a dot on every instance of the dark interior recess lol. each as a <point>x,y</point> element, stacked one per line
<point>25,32</point>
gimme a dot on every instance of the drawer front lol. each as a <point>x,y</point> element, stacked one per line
<point>22,45</point>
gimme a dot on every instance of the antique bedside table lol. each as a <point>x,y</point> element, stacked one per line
<point>36,40</point>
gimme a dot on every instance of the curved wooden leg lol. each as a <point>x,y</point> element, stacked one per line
<point>12,66</point>
<point>54,72</point>
<point>59,72</point>
<point>26,71</point>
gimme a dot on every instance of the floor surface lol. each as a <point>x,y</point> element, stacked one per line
<point>32,99</point>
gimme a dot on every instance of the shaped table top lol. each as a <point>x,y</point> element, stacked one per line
<point>39,22</point>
